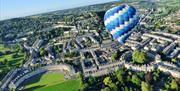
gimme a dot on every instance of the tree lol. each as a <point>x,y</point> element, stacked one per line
<point>138,57</point>
<point>84,87</point>
<point>21,49</point>
<point>174,60</point>
<point>157,25</point>
<point>174,85</point>
<point>61,33</point>
<point>156,74</point>
<point>107,81</point>
<point>167,85</point>
<point>15,55</point>
<point>91,80</point>
<point>145,86</point>
<point>119,74</point>
<point>1,53</point>
<point>80,76</point>
<point>22,62</point>
<point>128,78</point>
<point>115,56</point>
<point>113,87</point>
<point>135,79</point>
<point>126,88</point>
<point>106,89</point>
<point>42,51</point>
<point>7,63</point>
<point>13,89</point>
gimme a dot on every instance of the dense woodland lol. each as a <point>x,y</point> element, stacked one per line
<point>128,80</point>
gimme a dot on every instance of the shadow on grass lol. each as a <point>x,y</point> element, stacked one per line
<point>33,80</point>
<point>14,61</point>
<point>33,88</point>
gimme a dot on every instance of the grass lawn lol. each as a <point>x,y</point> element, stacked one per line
<point>69,85</point>
<point>44,80</point>
<point>9,57</point>
<point>13,61</point>
<point>3,49</point>
<point>51,82</point>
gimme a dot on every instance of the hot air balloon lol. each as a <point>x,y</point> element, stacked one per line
<point>120,21</point>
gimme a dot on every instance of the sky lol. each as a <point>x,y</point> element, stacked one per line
<point>19,8</point>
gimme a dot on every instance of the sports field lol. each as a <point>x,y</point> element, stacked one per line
<point>69,85</point>
<point>51,82</point>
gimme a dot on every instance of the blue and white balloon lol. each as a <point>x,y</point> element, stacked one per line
<point>120,21</point>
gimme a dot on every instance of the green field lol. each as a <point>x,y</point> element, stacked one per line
<point>13,58</point>
<point>3,49</point>
<point>9,56</point>
<point>69,85</point>
<point>51,82</point>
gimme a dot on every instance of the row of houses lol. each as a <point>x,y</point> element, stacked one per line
<point>110,67</point>
<point>166,43</point>
<point>34,52</point>
<point>78,43</point>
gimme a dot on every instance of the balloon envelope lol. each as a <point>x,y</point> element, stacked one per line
<point>120,21</point>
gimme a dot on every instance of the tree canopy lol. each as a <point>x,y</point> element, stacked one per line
<point>135,79</point>
<point>106,89</point>
<point>115,56</point>
<point>174,85</point>
<point>91,80</point>
<point>119,74</point>
<point>145,86</point>
<point>138,57</point>
<point>107,81</point>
